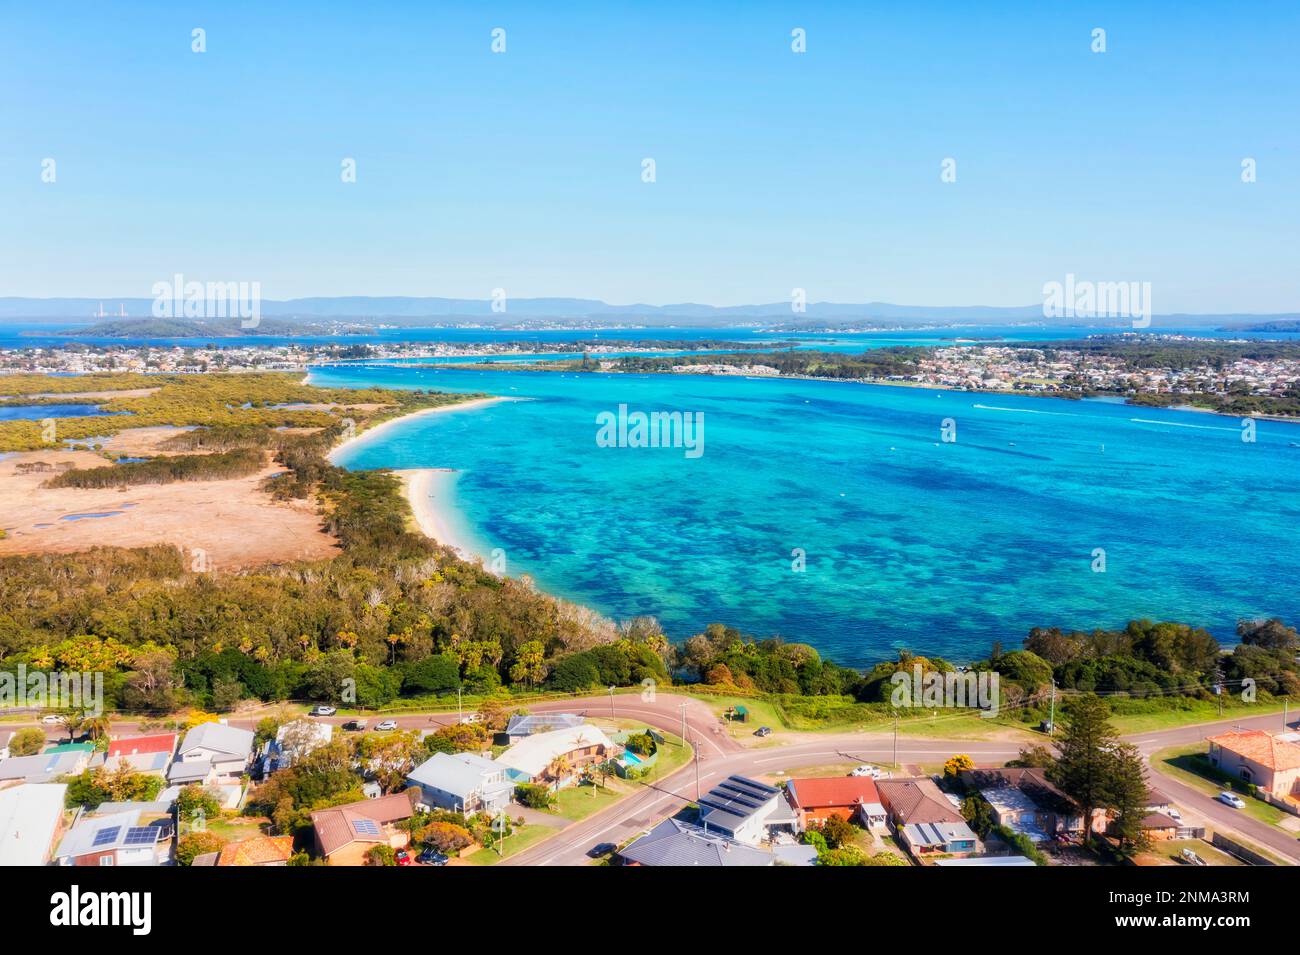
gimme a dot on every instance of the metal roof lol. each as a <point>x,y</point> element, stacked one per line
<point>677,843</point>
<point>733,801</point>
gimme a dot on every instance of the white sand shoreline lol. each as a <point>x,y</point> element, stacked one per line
<point>430,493</point>
<point>378,429</point>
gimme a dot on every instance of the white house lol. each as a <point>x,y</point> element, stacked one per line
<point>745,810</point>
<point>462,782</point>
<point>225,749</point>
<point>31,816</point>
<point>556,757</point>
<point>293,741</point>
<point>117,839</point>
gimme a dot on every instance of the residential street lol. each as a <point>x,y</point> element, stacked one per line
<point>720,755</point>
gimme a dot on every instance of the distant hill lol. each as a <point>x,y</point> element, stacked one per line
<point>180,328</point>
<point>405,310</point>
<point>1278,325</point>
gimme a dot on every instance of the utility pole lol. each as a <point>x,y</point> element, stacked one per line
<point>611,702</point>
<point>460,713</point>
<point>697,774</point>
<point>1051,717</point>
<point>683,722</point>
<point>895,743</point>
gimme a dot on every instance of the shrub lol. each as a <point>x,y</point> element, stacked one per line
<point>194,844</point>
<point>534,795</point>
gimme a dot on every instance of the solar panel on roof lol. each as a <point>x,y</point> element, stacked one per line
<point>366,827</point>
<point>141,836</point>
<point>105,836</point>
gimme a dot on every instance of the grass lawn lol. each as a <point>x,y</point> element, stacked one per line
<point>1188,765</point>
<point>517,841</point>
<point>1198,711</point>
<point>1172,848</point>
<point>237,828</point>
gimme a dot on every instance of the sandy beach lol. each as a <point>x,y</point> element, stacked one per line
<point>431,494</point>
<point>378,429</point>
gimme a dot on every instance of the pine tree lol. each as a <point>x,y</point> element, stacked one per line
<point>1127,798</point>
<point>1084,771</point>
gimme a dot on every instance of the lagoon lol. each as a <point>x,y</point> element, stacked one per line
<point>834,513</point>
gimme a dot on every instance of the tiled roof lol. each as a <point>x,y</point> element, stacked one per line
<point>916,801</point>
<point>264,850</point>
<point>142,744</point>
<point>1262,748</point>
<point>818,791</point>
<point>341,825</point>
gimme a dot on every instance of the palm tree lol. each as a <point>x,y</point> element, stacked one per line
<point>99,727</point>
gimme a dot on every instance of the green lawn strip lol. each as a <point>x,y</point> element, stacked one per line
<point>1172,849</point>
<point>517,841</point>
<point>1194,712</point>
<point>1188,765</point>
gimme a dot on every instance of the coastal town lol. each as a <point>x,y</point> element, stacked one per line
<point>592,782</point>
<point>1057,370</point>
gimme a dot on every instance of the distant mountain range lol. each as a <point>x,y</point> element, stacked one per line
<point>401,310</point>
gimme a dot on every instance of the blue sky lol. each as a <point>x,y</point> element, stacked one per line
<point>775,170</point>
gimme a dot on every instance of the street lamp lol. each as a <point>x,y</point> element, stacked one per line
<point>611,702</point>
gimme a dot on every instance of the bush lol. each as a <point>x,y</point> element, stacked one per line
<point>534,795</point>
<point>448,838</point>
<point>194,844</point>
<point>381,855</point>
<point>28,741</point>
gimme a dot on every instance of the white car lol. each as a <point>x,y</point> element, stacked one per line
<point>387,725</point>
<point>1231,799</point>
<point>322,710</point>
<point>1174,814</point>
<point>867,770</point>
<point>471,718</point>
<point>50,718</point>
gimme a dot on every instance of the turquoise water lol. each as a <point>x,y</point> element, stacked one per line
<point>908,541</point>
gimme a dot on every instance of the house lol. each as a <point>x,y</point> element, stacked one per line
<point>1024,800</point>
<point>1270,763</point>
<point>292,742</point>
<point>117,839</point>
<point>522,725</point>
<point>31,818</point>
<point>1158,827</point>
<point>998,862</point>
<point>225,750</point>
<point>144,754</point>
<point>815,799</point>
<point>44,767</point>
<point>344,834</point>
<point>461,782</point>
<point>745,810</point>
<point>675,842</point>
<point>557,757</point>
<point>261,851</point>
<point>923,818</point>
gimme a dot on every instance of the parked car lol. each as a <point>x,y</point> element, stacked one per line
<point>1174,814</point>
<point>50,718</point>
<point>431,857</point>
<point>867,770</point>
<point>355,726</point>
<point>386,725</point>
<point>472,718</point>
<point>600,850</point>
<point>1191,858</point>
<point>1232,799</point>
<point>403,857</point>
<point>322,710</point>
<point>763,731</point>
